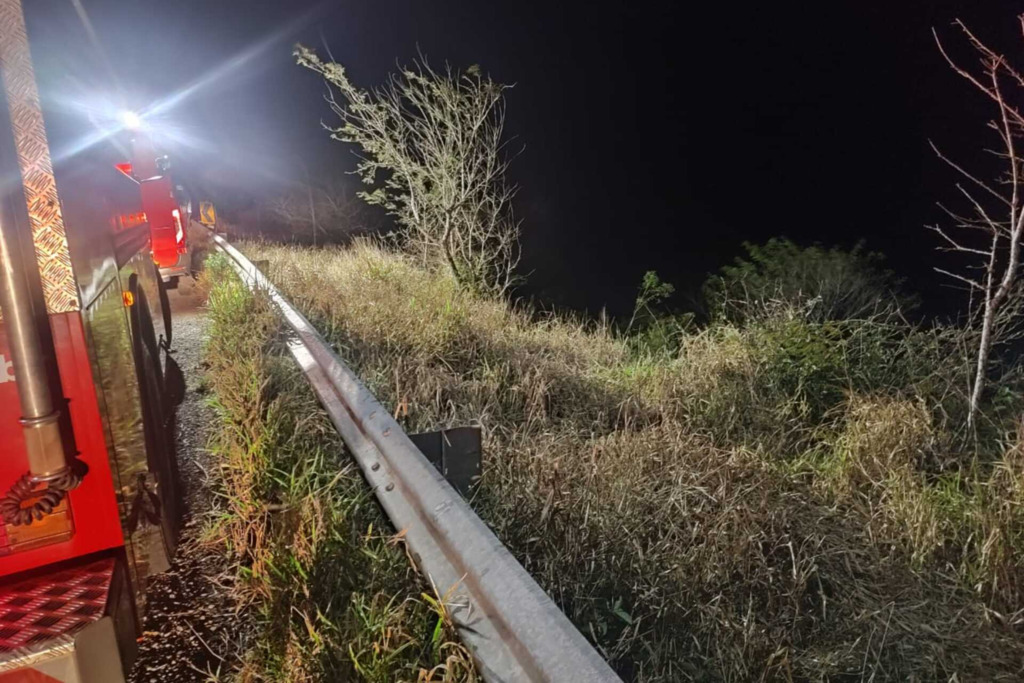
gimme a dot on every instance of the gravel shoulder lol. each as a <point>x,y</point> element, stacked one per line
<point>193,628</point>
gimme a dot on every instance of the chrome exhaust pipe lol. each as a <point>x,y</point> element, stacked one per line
<point>40,421</point>
<point>28,184</point>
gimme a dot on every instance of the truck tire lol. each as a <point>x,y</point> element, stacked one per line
<point>142,325</point>
<point>160,454</point>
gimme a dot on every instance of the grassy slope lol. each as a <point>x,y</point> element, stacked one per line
<point>779,501</point>
<point>338,596</point>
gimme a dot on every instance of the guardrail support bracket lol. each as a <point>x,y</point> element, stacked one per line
<point>456,453</point>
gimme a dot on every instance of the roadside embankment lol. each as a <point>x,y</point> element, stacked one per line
<point>782,499</point>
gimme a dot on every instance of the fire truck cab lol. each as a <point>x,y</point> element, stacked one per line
<point>88,477</point>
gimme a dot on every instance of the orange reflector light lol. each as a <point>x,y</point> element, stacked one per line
<point>129,298</point>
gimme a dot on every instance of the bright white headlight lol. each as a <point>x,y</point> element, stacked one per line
<point>131,120</point>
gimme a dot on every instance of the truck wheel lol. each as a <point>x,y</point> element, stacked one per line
<point>155,417</point>
<point>160,454</point>
<point>198,259</point>
<point>142,325</point>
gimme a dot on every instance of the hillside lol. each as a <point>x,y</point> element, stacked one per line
<point>779,498</point>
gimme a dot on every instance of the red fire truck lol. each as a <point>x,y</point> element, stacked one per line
<point>90,506</point>
<point>167,207</point>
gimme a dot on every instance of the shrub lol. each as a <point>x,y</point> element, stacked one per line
<point>432,151</point>
<point>822,284</point>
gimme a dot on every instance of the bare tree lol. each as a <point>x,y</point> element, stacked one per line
<point>990,230</point>
<point>434,156</point>
<point>332,210</point>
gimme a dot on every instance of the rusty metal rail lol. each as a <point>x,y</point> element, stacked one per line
<point>513,629</point>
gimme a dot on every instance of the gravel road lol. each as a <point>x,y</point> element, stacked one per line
<point>192,629</point>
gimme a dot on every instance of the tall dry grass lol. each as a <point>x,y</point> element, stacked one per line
<point>316,556</point>
<point>782,500</point>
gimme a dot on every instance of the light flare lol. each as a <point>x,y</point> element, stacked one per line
<point>106,126</point>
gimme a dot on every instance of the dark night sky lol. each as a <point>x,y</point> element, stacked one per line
<point>657,135</point>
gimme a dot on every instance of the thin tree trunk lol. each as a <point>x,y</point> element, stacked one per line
<point>979,373</point>
<point>446,246</point>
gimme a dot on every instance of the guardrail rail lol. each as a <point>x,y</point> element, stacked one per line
<point>513,629</point>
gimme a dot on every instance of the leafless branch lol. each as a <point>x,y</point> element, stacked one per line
<point>966,280</point>
<point>999,301</point>
<point>959,169</point>
<point>956,246</point>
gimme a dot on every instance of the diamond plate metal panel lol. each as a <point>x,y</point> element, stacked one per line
<point>39,610</point>
<point>47,222</point>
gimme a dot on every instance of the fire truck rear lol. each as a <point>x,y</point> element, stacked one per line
<point>166,205</point>
<point>90,507</point>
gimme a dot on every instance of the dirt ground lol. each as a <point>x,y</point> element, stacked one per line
<point>192,630</point>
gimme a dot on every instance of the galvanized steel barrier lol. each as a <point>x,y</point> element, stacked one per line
<point>515,632</point>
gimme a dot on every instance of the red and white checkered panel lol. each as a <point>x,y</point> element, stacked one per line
<point>39,609</point>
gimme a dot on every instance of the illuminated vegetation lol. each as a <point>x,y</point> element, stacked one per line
<point>338,597</point>
<point>780,496</point>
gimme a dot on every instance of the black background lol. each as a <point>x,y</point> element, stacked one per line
<point>655,135</point>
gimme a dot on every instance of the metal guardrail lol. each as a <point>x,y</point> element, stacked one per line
<point>514,630</point>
